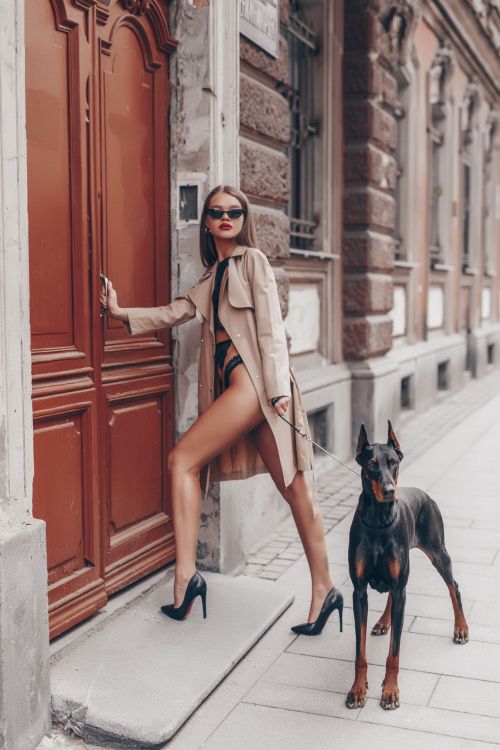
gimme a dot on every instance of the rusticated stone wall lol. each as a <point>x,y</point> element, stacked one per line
<point>370,175</point>
<point>264,136</point>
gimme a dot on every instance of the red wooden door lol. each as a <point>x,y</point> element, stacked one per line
<point>97,96</point>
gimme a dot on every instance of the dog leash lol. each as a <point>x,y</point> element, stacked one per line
<point>304,435</point>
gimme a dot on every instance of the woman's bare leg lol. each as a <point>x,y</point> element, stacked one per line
<point>307,519</point>
<point>236,412</point>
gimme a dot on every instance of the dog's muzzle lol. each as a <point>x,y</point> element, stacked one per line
<point>389,495</point>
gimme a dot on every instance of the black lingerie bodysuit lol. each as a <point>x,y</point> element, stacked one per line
<point>221,347</point>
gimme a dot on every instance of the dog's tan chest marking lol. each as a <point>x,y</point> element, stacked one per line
<point>394,568</point>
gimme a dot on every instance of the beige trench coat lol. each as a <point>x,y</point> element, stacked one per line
<point>250,312</point>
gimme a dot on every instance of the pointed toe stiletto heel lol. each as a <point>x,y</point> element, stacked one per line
<point>333,600</point>
<point>197,586</point>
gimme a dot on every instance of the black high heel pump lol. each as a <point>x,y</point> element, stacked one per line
<point>333,600</point>
<point>197,586</point>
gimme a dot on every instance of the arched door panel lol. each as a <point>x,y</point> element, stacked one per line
<point>137,373</point>
<point>97,126</point>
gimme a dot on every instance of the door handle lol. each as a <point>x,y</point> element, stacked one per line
<point>105,285</point>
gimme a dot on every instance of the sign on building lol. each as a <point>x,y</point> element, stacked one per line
<point>259,22</point>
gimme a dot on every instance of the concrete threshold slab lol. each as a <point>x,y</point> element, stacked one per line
<point>135,679</point>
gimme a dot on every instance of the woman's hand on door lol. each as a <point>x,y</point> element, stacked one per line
<point>110,304</point>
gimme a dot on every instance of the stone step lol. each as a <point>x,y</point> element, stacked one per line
<point>134,680</point>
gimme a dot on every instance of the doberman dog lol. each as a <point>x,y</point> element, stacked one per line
<point>388,522</point>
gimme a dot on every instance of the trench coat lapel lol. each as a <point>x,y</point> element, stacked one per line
<point>201,294</point>
<point>239,291</point>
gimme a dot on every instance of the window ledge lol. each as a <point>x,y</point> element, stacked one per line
<point>442,267</point>
<point>405,264</point>
<point>469,271</point>
<point>314,254</point>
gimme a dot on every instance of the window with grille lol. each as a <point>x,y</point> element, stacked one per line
<point>402,157</point>
<point>436,196</point>
<point>314,30</point>
<point>466,209</point>
<point>304,130</point>
<point>469,158</point>
<point>488,265</point>
<point>488,233</point>
<point>441,142</point>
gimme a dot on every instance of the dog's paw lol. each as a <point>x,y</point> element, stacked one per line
<point>461,634</point>
<point>390,698</point>
<point>380,628</point>
<point>356,697</point>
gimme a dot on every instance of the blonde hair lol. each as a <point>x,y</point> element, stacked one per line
<point>246,237</point>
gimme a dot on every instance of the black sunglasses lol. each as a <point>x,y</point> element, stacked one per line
<point>233,213</point>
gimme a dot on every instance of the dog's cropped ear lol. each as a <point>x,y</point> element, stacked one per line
<point>392,440</point>
<point>362,444</point>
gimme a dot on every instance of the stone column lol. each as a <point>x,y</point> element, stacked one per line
<point>24,674</point>
<point>375,39</point>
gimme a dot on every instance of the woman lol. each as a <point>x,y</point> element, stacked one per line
<point>242,395</point>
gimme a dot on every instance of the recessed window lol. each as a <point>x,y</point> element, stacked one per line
<point>442,376</point>
<point>490,352</point>
<point>401,108</point>
<point>490,135</point>
<point>406,400</point>
<point>318,423</point>
<point>188,202</point>
<point>304,96</point>
<point>469,156</point>
<point>440,144</point>
<point>466,207</point>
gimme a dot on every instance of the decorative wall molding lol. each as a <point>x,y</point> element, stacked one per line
<point>156,17</point>
<point>137,7</point>
<point>488,16</point>
<point>491,130</point>
<point>441,69</point>
<point>470,101</point>
<point>399,20</point>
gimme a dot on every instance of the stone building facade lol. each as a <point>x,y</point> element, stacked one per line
<point>421,281</point>
<point>276,107</point>
<point>290,138</point>
<point>354,145</point>
<point>369,147</point>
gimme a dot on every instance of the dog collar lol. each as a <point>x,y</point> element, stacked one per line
<point>391,520</point>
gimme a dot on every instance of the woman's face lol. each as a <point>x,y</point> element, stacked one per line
<point>224,227</point>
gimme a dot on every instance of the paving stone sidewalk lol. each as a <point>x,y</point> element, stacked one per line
<point>338,488</point>
<point>288,692</point>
